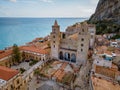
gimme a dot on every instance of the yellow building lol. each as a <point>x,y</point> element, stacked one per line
<point>10,79</point>
<point>31,52</point>
<point>27,53</point>
<point>6,58</point>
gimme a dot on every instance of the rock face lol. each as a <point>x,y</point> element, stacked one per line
<point>107,10</point>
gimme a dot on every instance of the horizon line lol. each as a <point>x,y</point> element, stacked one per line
<point>46,17</point>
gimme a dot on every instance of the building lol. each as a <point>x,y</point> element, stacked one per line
<point>6,58</point>
<point>31,52</point>
<point>73,45</point>
<point>102,84</point>
<point>104,75</point>
<point>102,62</point>
<point>27,53</point>
<point>10,79</point>
<point>114,44</point>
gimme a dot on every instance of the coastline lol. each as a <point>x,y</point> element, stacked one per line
<point>21,31</point>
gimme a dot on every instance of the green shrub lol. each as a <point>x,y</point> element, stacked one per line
<point>22,70</point>
<point>33,62</point>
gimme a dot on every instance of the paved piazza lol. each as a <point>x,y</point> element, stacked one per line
<point>24,65</point>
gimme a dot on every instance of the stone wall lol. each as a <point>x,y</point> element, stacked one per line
<point>68,43</point>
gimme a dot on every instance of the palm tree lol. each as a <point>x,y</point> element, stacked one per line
<point>16,54</point>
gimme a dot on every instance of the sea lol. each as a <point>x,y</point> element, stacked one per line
<point>22,30</point>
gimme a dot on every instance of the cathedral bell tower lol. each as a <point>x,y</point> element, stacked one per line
<point>55,40</point>
<point>83,44</point>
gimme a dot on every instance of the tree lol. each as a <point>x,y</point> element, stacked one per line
<point>16,54</point>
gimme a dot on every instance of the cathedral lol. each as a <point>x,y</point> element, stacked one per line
<point>72,45</point>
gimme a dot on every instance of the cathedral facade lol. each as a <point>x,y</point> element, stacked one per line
<point>72,45</point>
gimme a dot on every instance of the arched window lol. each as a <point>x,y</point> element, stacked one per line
<point>81,50</point>
<point>53,36</point>
<point>82,30</point>
<point>63,36</point>
<point>73,57</point>
<point>61,55</point>
<point>67,56</point>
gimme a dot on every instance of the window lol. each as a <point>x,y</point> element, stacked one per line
<point>63,36</point>
<point>11,87</point>
<point>36,58</point>
<point>91,36</point>
<point>40,58</point>
<point>54,46</point>
<point>82,30</point>
<point>17,81</point>
<point>24,81</point>
<point>82,39</point>
<point>79,33</point>
<point>53,36</point>
<point>82,45</point>
<point>81,50</point>
<point>53,41</point>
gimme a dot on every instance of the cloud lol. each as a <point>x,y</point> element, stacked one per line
<point>85,11</point>
<point>47,1</point>
<point>12,0</point>
<point>94,2</point>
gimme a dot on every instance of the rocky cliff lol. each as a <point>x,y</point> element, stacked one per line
<point>107,10</point>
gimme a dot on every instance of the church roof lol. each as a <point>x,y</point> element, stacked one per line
<point>55,23</point>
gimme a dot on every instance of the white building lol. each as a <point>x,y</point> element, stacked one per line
<point>114,44</point>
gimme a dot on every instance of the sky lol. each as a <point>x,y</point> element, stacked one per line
<point>47,8</point>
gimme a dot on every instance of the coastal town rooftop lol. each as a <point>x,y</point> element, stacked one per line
<point>100,50</point>
<point>6,74</point>
<point>102,84</point>
<point>62,72</point>
<point>111,73</point>
<point>5,53</point>
<point>33,49</point>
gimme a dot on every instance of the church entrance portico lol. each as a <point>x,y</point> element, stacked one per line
<point>73,58</point>
<point>61,55</point>
<point>67,56</point>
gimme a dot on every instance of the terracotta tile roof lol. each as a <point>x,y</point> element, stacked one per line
<point>33,49</point>
<point>109,72</point>
<point>7,73</point>
<point>101,84</point>
<point>64,65</point>
<point>1,51</point>
<point>5,53</point>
